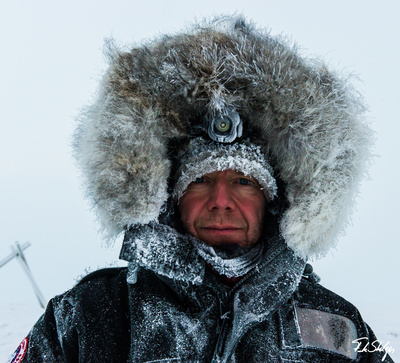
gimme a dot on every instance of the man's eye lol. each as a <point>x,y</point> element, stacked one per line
<point>244,181</point>
<point>199,180</point>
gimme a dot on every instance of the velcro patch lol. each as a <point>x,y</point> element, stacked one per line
<point>20,352</point>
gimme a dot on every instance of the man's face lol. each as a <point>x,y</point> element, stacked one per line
<point>224,207</point>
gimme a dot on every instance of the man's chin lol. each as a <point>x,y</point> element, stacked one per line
<point>231,247</point>
<point>227,243</point>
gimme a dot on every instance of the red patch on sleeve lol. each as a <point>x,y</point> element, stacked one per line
<point>20,352</point>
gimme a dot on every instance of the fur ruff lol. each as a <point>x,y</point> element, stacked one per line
<point>308,119</point>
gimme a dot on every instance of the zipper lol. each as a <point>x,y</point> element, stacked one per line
<point>226,316</point>
<point>224,319</point>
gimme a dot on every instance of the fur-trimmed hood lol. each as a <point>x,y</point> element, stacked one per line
<point>306,118</point>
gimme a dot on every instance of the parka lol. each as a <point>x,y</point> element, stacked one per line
<point>277,313</point>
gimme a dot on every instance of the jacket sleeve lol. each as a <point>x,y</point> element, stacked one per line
<point>85,323</point>
<point>49,341</point>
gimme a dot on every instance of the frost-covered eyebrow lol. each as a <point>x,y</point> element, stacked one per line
<point>240,174</point>
<point>248,176</point>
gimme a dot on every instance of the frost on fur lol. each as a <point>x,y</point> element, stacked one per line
<point>307,118</point>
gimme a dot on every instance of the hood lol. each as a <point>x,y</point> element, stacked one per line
<point>306,118</point>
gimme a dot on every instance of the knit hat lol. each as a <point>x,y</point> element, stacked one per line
<point>202,157</point>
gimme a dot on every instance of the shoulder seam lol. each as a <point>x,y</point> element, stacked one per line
<point>110,271</point>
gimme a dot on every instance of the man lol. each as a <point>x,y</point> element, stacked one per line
<point>228,161</point>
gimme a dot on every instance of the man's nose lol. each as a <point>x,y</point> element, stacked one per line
<point>221,197</point>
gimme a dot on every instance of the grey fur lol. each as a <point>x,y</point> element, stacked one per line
<point>307,118</point>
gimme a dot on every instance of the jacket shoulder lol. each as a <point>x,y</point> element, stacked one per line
<point>97,306</point>
<point>315,296</point>
<point>96,291</point>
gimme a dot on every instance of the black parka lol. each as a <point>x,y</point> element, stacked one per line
<point>106,319</point>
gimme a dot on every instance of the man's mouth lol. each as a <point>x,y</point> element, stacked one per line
<point>221,229</point>
<point>221,226</point>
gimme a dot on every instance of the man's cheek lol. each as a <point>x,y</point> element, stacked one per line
<point>188,226</point>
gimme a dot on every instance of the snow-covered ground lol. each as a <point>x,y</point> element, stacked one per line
<point>17,319</point>
<point>15,322</point>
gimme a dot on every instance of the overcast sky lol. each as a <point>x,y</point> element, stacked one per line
<point>51,61</point>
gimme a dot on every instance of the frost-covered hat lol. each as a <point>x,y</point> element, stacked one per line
<point>202,157</point>
<point>307,118</point>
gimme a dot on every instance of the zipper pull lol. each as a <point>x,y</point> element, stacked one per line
<point>222,299</point>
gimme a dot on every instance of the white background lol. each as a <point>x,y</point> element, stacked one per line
<point>50,64</point>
